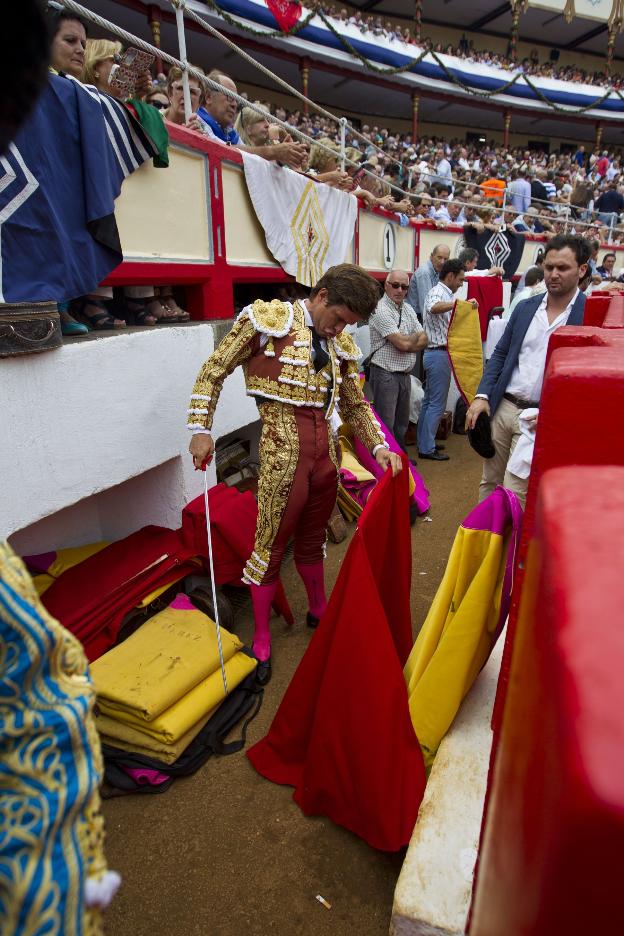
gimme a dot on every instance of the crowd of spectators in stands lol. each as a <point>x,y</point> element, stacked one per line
<point>445,178</point>
<point>372,25</point>
<point>441,182</point>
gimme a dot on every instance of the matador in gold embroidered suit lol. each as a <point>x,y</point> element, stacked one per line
<point>299,365</point>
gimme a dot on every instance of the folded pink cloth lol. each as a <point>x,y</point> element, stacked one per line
<point>366,460</point>
<point>144,776</point>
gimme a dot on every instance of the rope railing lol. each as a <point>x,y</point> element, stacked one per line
<point>341,121</point>
<point>131,39</point>
<point>190,70</point>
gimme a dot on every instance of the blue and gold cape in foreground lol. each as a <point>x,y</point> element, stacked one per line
<point>53,874</point>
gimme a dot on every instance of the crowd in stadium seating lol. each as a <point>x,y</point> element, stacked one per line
<point>441,182</point>
<point>586,184</point>
<point>531,65</point>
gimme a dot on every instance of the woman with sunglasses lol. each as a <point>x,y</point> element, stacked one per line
<point>158,99</point>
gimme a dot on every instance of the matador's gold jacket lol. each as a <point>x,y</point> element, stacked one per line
<point>274,345</point>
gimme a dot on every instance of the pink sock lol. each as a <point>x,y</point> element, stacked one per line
<point>262,598</point>
<point>314,581</point>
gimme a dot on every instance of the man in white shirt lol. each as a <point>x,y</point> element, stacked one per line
<point>443,168</point>
<point>533,284</point>
<point>513,376</point>
<point>396,336</point>
<point>441,212</point>
<point>470,257</point>
<point>462,162</point>
<point>436,317</point>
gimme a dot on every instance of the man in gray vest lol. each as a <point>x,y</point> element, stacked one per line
<point>426,277</point>
<point>396,337</point>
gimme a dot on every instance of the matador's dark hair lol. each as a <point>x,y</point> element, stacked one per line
<point>351,286</point>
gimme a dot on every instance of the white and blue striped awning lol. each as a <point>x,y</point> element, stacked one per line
<point>436,71</point>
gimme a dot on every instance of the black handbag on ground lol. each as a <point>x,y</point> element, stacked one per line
<point>244,700</point>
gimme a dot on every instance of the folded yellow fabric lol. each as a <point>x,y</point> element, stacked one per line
<point>131,739</point>
<point>42,582</point>
<point>465,348</point>
<point>164,659</point>
<point>170,725</point>
<point>68,558</point>
<point>457,636</point>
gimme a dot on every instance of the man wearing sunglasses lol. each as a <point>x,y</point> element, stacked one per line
<point>396,336</point>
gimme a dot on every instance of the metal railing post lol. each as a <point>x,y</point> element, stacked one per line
<point>343,142</point>
<point>567,220</point>
<point>610,241</point>
<point>178,6</point>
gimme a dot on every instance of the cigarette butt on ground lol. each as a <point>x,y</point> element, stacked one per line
<point>325,903</point>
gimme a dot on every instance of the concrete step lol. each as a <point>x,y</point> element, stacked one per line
<point>434,889</point>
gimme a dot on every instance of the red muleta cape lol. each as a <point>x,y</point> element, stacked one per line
<point>488,291</point>
<point>92,598</point>
<point>343,735</point>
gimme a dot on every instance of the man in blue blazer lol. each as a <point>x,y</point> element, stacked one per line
<point>512,380</point>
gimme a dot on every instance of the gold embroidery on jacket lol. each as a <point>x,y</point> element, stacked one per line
<point>291,377</point>
<point>355,409</point>
<point>279,454</point>
<point>236,348</point>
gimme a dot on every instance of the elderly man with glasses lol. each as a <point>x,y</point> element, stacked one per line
<point>396,336</point>
<point>217,116</point>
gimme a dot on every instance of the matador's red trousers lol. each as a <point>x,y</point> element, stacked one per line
<point>297,488</point>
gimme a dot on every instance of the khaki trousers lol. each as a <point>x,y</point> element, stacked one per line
<point>505,434</point>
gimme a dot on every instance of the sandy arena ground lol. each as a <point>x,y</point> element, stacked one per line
<point>225,852</point>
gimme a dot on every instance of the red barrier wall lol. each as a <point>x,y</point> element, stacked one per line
<point>614,317</point>
<point>596,309</point>
<point>579,414</point>
<point>551,855</point>
<point>209,286</point>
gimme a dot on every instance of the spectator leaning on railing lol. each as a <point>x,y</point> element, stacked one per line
<point>175,91</point>
<point>253,128</point>
<point>218,114</point>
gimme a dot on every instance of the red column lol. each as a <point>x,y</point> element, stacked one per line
<point>415,108</point>
<point>154,18</point>
<point>506,126</point>
<point>550,855</point>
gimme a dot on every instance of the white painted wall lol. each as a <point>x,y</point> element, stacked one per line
<point>94,440</point>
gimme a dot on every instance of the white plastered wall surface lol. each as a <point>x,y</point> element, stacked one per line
<point>94,442</point>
